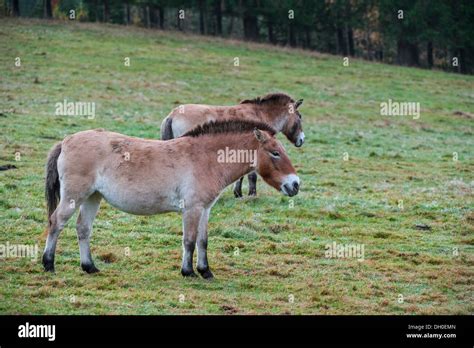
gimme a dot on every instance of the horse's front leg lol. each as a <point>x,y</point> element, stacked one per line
<point>202,264</point>
<point>191,218</point>
<point>252,184</point>
<point>238,188</point>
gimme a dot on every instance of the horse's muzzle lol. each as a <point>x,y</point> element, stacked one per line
<point>300,140</point>
<point>291,185</point>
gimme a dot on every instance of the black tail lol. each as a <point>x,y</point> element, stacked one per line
<point>167,130</point>
<point>52,179</point>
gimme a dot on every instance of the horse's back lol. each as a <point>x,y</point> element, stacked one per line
<point>89,150</point>
<point>186,117</point>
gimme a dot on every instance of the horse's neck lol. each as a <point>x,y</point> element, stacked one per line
<point>272,116</point>
<point>227,171</point>
<point>232,174</point>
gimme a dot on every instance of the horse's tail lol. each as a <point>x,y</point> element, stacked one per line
<point>52,179</point>
<point>167,129</point>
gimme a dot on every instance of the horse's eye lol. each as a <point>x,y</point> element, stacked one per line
<point>275,154</point>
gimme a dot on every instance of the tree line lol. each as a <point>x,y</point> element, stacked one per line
<point>422,33</point>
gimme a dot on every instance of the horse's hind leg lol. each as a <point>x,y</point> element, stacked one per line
<point>58,220</point>
<point>202,264</point>
<point>238,188</point>
<point>85,219</point>
<point>191,219</point>
<point>252,184</point>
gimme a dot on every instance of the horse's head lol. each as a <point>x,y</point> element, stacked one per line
<point>274,166</point>
<point>292,128</point>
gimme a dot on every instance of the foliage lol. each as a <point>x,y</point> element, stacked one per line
<point>431,32</point>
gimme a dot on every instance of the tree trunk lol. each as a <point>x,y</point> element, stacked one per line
<point>96,10</point>
<point>47,9</point>
<point>154,16</point>
<point>162,17</point>
<point>16,8</point>
<point>250,28</point>
<point>106,10</point>
<point>230,27</point>
<point>291,35</point>
<point>407,53</point>
<point>250,22</point>
<point>146,16</point>
<point>429,54</point>
<point>126,13</point>
<point>341,43</point>
<point>202,9</point>
<point>218,13</point>
<point>380,55</point>
<point>307,32</point>
<point>178,21</point>
<point>350,41</point>
<point>462,61</point>
<point>271,34</point>
<point>368,41</point>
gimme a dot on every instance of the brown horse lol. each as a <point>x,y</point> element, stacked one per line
<point>146,177</point>
<point>278,110</point>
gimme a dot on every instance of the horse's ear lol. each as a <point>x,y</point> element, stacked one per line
<point>261,137</point>
<point>298,103</point>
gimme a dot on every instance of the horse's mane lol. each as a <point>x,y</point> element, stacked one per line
<point>228,126</point>
<point>276,98</point>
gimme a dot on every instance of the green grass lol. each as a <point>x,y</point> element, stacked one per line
<point>261,250</point>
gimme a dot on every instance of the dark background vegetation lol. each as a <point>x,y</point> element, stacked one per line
<point>432,33</point>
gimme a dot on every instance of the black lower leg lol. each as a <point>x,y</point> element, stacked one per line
<point>203,265</point>
<point>252,184</point>
<point>87,264</point>
<point>89,268</point>
<point>187,267</point>
<point>238,188</point>
<point>205,272</point>
<point>48,262</point>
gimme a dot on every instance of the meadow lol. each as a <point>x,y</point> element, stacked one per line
<point>402,187</point>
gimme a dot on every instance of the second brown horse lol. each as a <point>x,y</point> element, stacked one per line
<point>278,110</point>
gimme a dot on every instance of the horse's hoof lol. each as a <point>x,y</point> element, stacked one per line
<point>252,193</point>
<point>89,268</point>
<point>188,274</point>
<point>237,194</point>
<point>49,268</point>
<point>207,274</point>
<point>48,264</point>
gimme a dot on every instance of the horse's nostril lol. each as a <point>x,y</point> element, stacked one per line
<point>296,186</point>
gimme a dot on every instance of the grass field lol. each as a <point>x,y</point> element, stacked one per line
<point>390,183</point>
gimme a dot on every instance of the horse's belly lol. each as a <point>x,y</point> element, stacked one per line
<point>139,208</point>
<point>140,203</point>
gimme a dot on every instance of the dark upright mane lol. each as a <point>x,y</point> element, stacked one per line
<point>276,98</point>
<point>228,126</point>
